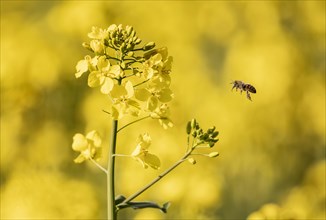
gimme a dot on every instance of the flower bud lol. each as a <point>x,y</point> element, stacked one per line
<point>204,137</point>
<point>188,129</point>
<point>193,123</point>
<point>132,34</point>
<point>192,160</point>
<point>129,29</point>
<point>213,154</point>
<point>215,134</point>
<point>211,144</point>
<point>129,47</point>
<point>149,46</point>
<point>130,53</point>
<point>138,41</point>
<point>211,130</point>
<point>87,46</point>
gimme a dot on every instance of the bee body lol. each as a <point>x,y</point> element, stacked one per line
<point>237,84</point>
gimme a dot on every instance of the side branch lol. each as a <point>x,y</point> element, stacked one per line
<point>156,179</point>
<point>132,123</point>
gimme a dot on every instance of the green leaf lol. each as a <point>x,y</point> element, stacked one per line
<point>153,161</point>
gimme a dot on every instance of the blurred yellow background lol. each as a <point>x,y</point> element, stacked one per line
<point>272,150</point>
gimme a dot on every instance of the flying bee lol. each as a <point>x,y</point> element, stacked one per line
<point>237,84</point>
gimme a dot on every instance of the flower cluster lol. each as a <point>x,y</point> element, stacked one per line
<point>136,78</point>
<point>208,138</point>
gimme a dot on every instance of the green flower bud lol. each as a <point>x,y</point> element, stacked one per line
<point>204,137</point>
<point>149,46</point>
<point>112,35</point>
<point>193,123</point>
<point>192,161</point>
<point>211,130</point>
<point>138,41</point>
<point>123,65</point>
<point>132,34</point>
<point>215,134</point>
<point>129,29</point>
<point>188,129</point>
<point>123,47</point>
<point>211,144</point>
<point>213,154</point>
<point>129,46</point>
<point>87,46</point>
<point>130,53</point>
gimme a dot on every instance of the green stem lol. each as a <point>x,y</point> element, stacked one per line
<point>130,198</point>
<point>99,166</point>
<point>132,123</point>
<point>112,211</point>
<point>141,83</point>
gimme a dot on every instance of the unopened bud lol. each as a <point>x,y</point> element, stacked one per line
<point>215,134</point>
<point>129,29</point>
<point>149,46</point>
<point>138,41</point>
<point>193,123</point>
<point>188,129</point>
<point>213,154</point>
<point>87,46</point>
<point>192,160</point>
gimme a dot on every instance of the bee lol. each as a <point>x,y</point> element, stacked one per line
<point>237,84</point>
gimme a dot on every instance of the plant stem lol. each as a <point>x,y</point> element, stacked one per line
<point>130,198</point>
<point>112,211</point>
<point>132,123</point>
<point>99,166</point>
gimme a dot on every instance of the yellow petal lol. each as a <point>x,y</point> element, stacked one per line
<point>130,89</point>
<point>95,137</point>
<point>80,159</point>
<point>94,79</point>
<point>137,151</point>
<point>81,67</point>
<point>79,142</point>
<point>107,85</point>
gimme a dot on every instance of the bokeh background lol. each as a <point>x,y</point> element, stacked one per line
<point>272,150</point>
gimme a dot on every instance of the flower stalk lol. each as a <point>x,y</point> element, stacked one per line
<point>112,211</point>
<point>158,178</point>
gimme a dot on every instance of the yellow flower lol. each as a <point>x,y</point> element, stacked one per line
<point>141,153</point>
<point>89,146</point>
<point>162,114</point>
<point>122,102</point>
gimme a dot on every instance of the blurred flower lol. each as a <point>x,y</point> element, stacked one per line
<point>162,114</point>
<point>98,33</point>
<point>141,153</point>
<point>89,146</point>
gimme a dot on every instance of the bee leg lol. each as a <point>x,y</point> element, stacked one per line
<point>248,96</point>
<point>233,87</point>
